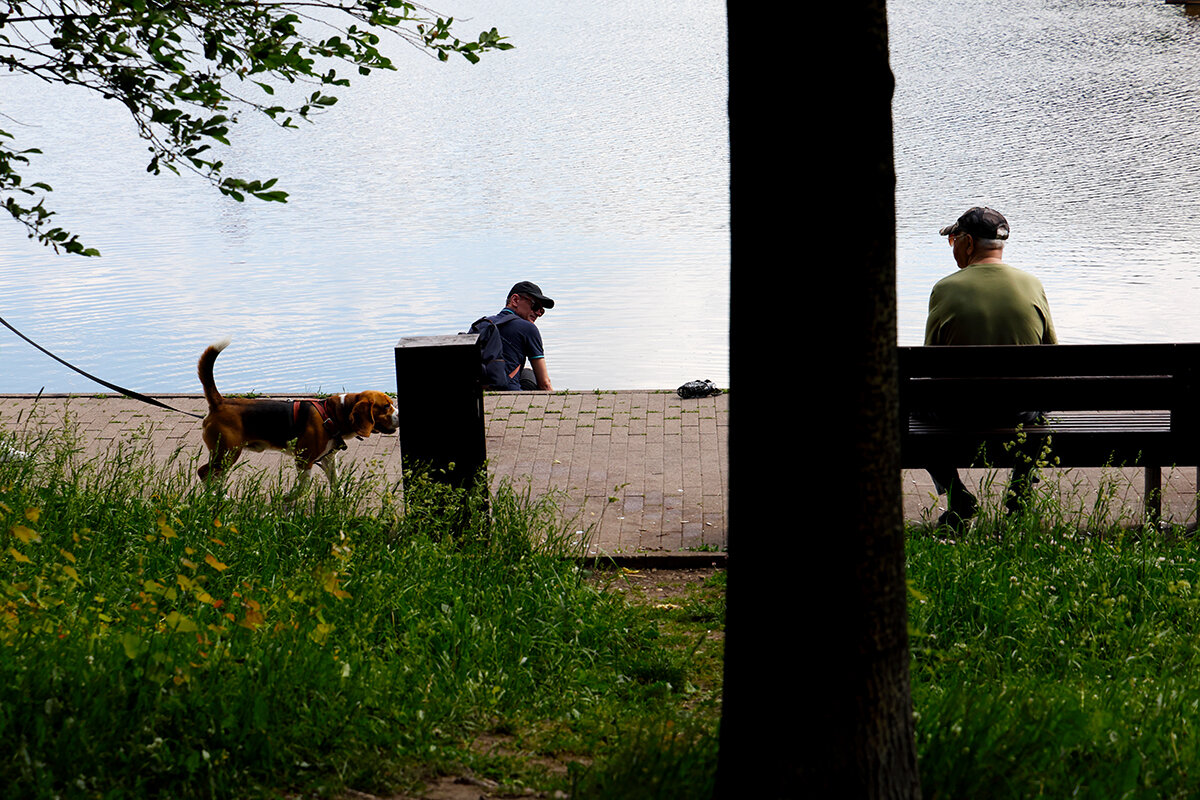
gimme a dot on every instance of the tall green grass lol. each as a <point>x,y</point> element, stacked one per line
<point>1054,658</point>
<point>160,638</point>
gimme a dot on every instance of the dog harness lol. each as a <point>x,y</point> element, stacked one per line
<point>325,411</point>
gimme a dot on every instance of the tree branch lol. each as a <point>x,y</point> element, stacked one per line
<point>168,62</point>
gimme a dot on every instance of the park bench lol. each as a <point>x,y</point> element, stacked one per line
<point>1119,405</point>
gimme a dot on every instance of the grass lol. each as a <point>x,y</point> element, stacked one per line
<point>1056,656</point>
<point>163,639</point>
<point>672,757</point>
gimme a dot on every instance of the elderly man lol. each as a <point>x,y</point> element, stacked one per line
<point>985,302</point>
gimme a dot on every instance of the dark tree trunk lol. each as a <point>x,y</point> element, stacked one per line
<point>817,698</point>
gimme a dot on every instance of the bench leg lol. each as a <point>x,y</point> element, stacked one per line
<point>1153,494</point>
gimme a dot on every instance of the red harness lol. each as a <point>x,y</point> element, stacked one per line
<point>325,411</point>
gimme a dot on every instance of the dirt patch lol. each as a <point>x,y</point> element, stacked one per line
<point>459,788</point>
<point>652,585</point>
<point>447,788</point>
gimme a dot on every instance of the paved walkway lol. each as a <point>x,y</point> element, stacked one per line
<point>645,472</point>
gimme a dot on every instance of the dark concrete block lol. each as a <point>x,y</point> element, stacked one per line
<point>440,400</point>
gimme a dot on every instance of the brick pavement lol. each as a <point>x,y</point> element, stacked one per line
<point>645,473</point>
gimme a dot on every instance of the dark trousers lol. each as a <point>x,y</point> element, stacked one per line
<point>946,478</point>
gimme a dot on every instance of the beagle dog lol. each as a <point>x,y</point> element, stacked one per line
<point>314,430</point>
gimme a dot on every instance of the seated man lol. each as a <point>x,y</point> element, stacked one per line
<point>985,302</point>
<point>522,339</point>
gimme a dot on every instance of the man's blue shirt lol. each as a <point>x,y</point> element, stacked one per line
<point>521,340</point>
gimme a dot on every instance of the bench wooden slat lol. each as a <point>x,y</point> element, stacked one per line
<point>1075,421</point>
<point>1156,392</point>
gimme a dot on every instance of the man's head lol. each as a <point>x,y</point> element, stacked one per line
<point>527,301</point>
<point>977,235</point>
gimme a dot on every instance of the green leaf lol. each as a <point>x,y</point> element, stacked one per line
<point>179,623</point>
<point>133,645</point>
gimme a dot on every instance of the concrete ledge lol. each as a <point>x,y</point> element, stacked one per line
<point>657,561</point>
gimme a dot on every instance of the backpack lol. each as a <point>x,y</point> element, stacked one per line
<point>493,368</point>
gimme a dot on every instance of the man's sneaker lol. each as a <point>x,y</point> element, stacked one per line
<point>958,516</point>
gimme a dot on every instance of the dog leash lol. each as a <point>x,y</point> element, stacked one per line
<point>127,392</point>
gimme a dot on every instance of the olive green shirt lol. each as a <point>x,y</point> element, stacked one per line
<point>989,304</point>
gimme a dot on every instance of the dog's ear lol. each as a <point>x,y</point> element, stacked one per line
<point>362,417</point>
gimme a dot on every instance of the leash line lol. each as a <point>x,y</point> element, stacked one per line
<point>119,389</point>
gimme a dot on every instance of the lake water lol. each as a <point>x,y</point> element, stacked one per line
<point>592,159</point>
<point>1079,121</point>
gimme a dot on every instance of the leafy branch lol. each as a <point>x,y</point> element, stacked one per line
<point>175,65</point>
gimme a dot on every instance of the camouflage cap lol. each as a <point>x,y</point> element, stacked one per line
<point>982,222</point>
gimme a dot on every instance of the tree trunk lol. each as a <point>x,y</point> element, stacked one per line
<point>817,700</point>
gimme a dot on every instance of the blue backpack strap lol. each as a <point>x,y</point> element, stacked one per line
<point>495,319</point>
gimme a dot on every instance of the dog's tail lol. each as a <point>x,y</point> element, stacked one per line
<point>205,369</point>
